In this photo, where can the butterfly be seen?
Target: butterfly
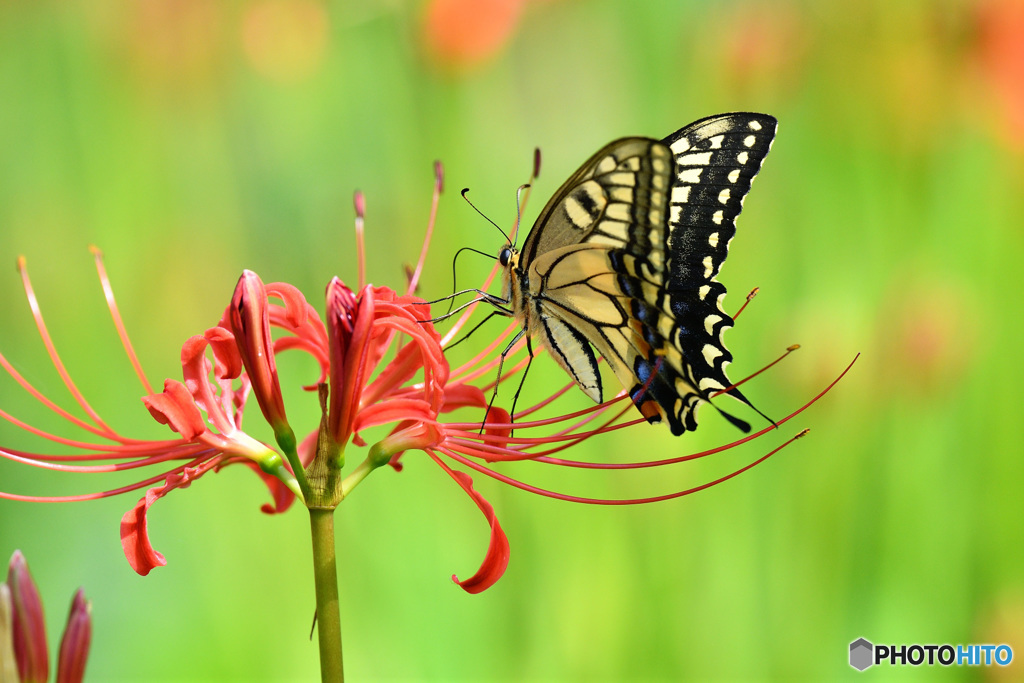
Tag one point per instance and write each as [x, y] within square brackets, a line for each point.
[623, 261]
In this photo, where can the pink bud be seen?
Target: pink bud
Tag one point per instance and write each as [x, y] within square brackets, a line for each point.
[74, 647]
[250, 322]
[29, 629]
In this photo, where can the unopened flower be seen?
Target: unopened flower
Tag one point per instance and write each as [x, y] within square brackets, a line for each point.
[74, 646]
[23, 652]
[28, 628]
[384, 383]
[249, 318]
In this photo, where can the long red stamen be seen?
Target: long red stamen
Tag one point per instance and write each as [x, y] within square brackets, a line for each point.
[55, 358]
[50, 462]
[486, 446]
[613, 501]
[360, 206]
[746, 379]
[112, 492]
[434, 201]
[750, 297]
[50, 405]
[486, 356]
[454, 330]
[108, 292]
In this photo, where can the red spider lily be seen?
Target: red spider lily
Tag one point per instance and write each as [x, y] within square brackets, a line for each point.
[384, 364]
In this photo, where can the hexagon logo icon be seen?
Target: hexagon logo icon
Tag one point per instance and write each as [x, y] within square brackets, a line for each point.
[861, 654]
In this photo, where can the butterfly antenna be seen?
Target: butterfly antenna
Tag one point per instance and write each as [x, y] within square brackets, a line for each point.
[455, 288]
[466, 191]
[523, 194]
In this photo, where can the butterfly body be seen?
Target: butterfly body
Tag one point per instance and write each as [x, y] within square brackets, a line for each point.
[624, 257]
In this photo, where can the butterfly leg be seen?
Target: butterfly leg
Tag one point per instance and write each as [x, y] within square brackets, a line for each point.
[522, 380]
[501, 364]
[475, 328]
[495, 301]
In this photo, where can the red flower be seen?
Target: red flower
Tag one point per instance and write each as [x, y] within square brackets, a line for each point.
[383, 363]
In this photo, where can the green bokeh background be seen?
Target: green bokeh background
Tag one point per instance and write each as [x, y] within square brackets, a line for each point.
[190, 140]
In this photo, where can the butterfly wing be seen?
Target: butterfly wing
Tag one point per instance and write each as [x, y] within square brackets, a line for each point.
[571, 298]
[625, 255]
[716, 160]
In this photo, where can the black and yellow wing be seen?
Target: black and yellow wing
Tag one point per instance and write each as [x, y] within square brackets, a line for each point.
[625, 256]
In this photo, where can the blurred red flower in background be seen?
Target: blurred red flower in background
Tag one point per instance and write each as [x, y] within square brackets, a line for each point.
[464, 33]
[1000, 54]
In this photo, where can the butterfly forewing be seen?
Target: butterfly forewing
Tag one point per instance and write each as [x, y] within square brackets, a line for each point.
[608, 194]
[624, 257]
[617, 198]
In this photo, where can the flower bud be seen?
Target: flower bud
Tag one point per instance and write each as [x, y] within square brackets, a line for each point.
[349, 323]
[8, 666]
[250, 323]
[28, 628]
[74, 646]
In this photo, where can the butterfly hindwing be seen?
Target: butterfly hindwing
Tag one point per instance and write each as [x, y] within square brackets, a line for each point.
[624, 256]
[716, 161]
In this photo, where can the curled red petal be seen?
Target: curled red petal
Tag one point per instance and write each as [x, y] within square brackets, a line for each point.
[462, 395]
[394, 410]
[498, 416]
[496, 560]
[195, 370]
[295, 305]
[227, 359]
[135, 538]
[176, 408]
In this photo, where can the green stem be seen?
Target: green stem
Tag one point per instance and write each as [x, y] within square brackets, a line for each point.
[361, 471]
[285, 438]
[325, 573]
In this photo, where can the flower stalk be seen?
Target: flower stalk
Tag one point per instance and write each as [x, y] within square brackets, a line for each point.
[325, 581]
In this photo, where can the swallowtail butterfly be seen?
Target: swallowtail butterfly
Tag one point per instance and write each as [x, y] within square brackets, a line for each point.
[624, 259]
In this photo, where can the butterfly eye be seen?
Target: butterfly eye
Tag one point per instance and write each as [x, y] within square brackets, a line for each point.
[504, 256]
